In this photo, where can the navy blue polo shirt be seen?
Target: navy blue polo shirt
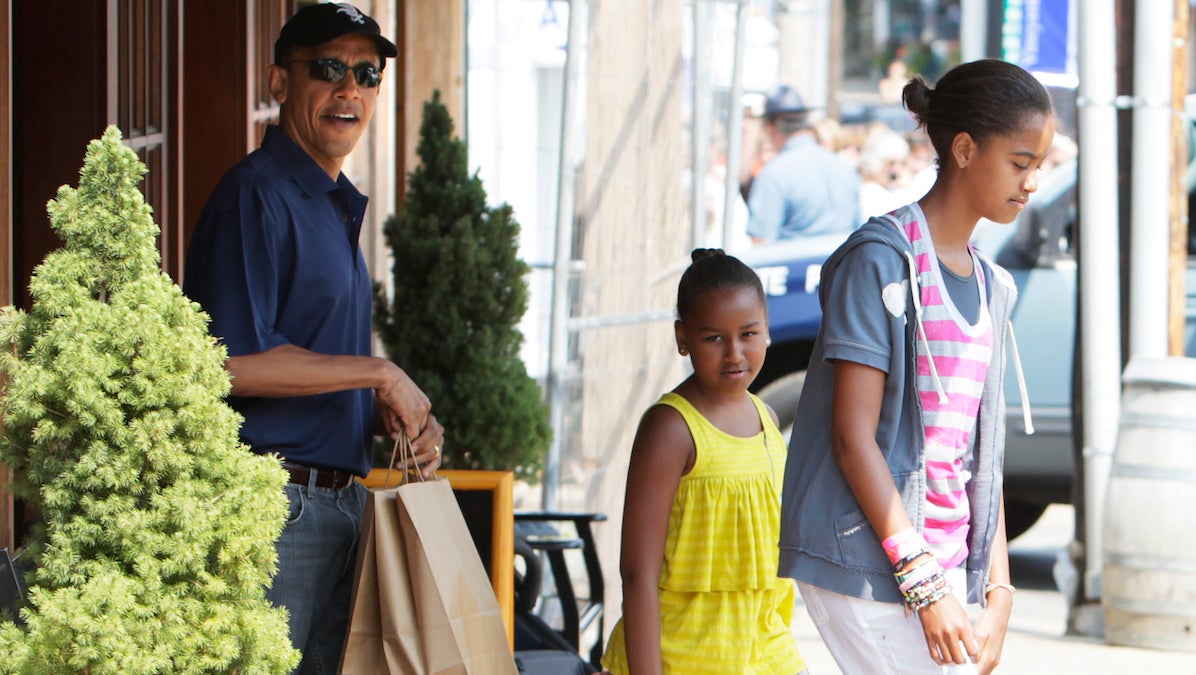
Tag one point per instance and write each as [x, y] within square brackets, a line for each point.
[275, 260]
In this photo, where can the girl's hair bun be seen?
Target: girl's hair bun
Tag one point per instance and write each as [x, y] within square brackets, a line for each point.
[703, 253]
[916, 96]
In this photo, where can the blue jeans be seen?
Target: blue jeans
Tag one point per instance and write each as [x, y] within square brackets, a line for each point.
[317, 553]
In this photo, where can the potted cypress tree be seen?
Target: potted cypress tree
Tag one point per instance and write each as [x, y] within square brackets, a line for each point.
[459, 293]
[158, 525]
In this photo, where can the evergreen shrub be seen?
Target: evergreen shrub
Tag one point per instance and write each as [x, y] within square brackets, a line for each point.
[459, 293]
[158, 526]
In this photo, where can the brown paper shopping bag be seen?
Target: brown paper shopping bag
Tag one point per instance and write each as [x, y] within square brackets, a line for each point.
[461, 628]
[381, 587]
[422, 602]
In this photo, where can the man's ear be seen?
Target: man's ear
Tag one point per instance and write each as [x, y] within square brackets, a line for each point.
[963, 149]
[278, 78]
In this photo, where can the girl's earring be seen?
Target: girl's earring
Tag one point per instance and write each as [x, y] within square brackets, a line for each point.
[683, 351]
[767, 342]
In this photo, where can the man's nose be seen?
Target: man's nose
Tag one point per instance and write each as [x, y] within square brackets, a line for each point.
[348, 87]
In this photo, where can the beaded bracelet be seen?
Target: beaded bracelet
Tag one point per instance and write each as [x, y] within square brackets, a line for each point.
[923, 584]
[914, 576]
[924, 590]
[930, 595]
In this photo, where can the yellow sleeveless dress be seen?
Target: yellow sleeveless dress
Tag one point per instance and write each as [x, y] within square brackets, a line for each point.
[723, 608]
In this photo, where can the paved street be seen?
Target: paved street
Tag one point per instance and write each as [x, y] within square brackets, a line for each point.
[1036, 643]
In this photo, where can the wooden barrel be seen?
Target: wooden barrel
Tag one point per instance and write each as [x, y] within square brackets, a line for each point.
[1149, 548]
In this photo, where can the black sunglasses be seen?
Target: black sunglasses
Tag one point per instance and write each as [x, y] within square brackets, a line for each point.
[333, 70]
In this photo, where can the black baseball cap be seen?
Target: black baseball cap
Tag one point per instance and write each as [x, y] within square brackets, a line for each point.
[314, 25]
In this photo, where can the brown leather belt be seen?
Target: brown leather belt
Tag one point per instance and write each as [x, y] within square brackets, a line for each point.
[325, 478]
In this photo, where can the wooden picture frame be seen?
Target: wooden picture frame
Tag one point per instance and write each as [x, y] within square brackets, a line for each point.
[487, 503]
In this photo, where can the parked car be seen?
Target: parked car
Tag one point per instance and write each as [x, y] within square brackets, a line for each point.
[1037, 250]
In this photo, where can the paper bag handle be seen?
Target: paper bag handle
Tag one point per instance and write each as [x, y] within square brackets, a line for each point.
[408, 458]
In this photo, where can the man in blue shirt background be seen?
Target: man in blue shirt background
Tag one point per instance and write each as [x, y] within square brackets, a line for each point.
[275, 262]
[804, 190]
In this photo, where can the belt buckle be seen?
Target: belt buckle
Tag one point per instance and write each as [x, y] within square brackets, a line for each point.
[329, 478]
[337, 479]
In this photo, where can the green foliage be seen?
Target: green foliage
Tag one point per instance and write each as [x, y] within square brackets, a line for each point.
[159, 526]
[459, 293]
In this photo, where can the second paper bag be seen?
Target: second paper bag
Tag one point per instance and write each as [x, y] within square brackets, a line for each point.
[458, 616]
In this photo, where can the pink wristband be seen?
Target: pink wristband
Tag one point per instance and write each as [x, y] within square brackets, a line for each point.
[903, 544]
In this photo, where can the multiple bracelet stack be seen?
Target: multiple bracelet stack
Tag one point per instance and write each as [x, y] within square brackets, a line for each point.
[923, 584]
[920, 577]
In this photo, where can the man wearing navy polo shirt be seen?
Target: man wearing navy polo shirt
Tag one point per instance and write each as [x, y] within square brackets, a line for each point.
[275, 262]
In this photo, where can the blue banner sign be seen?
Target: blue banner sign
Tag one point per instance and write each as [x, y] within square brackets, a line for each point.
[1036, 35]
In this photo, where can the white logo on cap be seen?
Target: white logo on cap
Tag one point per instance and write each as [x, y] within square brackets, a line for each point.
[352, 12]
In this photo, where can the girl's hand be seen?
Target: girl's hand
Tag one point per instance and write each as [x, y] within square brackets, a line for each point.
[946, 625]
[990, 630]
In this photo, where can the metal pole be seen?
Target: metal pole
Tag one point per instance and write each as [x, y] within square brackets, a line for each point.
[700, 133]
[973, 29]
[734, 122]
[572, 126]
[1150, 223]
[1100, 330]
[820, 55]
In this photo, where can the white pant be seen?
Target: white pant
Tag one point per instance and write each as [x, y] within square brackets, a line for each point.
[877, 638]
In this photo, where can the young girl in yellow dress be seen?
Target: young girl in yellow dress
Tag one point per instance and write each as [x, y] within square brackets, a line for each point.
[701, 518]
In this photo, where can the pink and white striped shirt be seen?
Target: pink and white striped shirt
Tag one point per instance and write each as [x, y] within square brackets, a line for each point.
[961, 352]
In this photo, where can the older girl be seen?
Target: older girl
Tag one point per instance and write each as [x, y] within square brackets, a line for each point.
[892, 515]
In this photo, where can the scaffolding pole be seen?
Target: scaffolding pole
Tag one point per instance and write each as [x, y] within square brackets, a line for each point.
[572, 126]
[734, 122]
[700, 114]
[1099, 272]
[1150, 220]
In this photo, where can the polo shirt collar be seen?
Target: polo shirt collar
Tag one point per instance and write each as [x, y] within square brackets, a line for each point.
[307, 174]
